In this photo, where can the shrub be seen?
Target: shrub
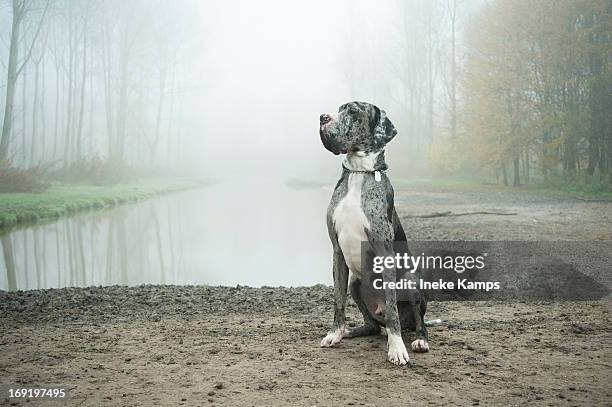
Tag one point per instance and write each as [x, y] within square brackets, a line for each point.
[21, 180]
[95, 170]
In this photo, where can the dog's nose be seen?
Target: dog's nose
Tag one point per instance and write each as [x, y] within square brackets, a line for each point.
[325, 118]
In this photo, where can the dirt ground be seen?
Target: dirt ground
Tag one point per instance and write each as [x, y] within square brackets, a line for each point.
[243, 346]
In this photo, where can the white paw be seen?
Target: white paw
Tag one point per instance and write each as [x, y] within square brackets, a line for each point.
[420, 346]
[398, 355]
[332, 338]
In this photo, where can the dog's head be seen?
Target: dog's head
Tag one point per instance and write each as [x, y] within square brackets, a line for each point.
[358, 127]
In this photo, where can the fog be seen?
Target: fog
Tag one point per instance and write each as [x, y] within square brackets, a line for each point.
[273, 71]
[273, 67]
[105, 92]
[223, 88]
[211, 89]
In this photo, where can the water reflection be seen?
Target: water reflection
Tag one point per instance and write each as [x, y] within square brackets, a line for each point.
[252, 232]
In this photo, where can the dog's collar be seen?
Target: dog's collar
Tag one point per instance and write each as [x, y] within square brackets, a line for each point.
[376, 172]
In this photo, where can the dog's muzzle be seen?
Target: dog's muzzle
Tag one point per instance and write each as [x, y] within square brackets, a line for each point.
[327, 141]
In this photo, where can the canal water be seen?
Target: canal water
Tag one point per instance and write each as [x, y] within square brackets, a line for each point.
[250, 231]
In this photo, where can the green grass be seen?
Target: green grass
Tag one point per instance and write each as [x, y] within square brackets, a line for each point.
[461, 184]
[65, 199]
[481, 184]
[435, 184]
[567, 192]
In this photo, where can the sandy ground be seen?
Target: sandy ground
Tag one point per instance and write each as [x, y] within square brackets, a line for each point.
[244, 346]
[537, 217]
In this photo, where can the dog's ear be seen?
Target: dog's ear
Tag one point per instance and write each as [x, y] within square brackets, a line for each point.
[384, 130]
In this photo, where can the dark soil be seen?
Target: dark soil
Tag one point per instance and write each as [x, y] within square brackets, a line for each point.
[173, 345]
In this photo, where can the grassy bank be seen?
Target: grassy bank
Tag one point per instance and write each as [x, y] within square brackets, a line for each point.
[469, 184]
[478, 185]
[65, 199]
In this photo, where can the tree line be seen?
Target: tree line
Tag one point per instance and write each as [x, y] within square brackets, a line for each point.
[537, 90]
[409, 62]
[93, 78]
[519, 89]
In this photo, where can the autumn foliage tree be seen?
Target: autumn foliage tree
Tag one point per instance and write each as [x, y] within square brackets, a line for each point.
[537, 87]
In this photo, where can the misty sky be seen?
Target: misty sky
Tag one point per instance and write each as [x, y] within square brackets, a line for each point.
[247, 80]
[272, 67]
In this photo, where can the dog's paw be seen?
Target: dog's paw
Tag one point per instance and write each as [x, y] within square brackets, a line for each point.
[397, 354]
[332, 338]
[420, 346]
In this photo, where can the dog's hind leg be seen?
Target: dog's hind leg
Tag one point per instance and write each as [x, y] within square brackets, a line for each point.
[371, 326]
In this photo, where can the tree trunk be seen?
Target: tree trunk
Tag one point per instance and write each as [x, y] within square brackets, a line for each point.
[24, 110]
[504, 173]
[453, 70]
[124, 51]
[170, 116]
[19, 7]
[79, 134]
[430, 74]
[69, 107]
[57, 115]
[527, 166]
[43, 121]
[120, 135]
[106, 71]
[34, 144]
[160, 107]
[517, 170]
[91, 109]
[11, 80]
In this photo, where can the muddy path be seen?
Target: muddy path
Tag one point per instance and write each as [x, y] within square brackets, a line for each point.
[537, 217]
[205, 346]
[222, 346]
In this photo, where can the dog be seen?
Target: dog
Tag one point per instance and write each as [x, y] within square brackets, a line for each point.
[361, 215]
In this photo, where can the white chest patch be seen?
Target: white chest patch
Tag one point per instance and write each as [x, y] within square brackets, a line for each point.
[351, 223]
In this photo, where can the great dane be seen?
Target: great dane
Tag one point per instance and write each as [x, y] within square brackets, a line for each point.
[361, 216]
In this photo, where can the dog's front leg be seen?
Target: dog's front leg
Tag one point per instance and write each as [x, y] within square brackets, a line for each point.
[397, 353]
[341, 272]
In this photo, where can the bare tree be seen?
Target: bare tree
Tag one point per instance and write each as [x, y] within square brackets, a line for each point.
[20, 8]
[452, 11]
[79, 133]
[36, 108]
